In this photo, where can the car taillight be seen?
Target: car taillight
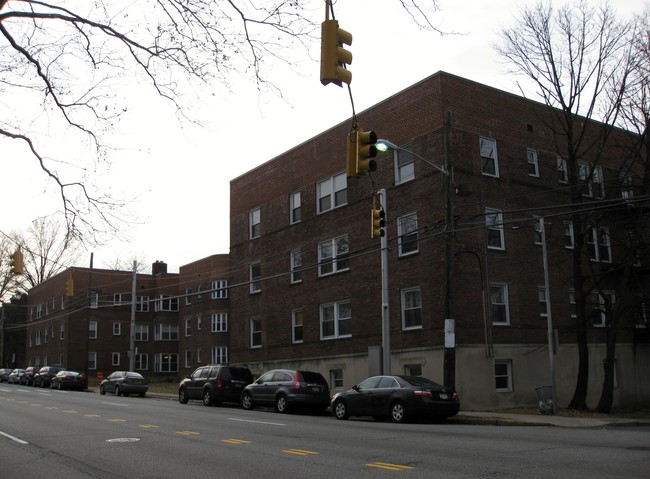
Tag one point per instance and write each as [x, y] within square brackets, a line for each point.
[426, 394]
[296, 383]
[219, 382]
[455, 396]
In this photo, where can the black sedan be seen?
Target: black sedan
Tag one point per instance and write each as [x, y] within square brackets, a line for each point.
[397, 397]
[124, 382]
[68, 380]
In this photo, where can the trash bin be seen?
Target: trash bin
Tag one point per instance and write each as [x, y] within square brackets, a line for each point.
[545, 399]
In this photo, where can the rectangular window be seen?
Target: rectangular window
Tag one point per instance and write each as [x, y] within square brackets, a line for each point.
[115, 359]
[407, 234]
[188, 358]
[92, 329]
[220, 355]
[489, 160]
[219, 322]
[333, 256]
[503, 375]
[296, 264]
[220, 289]
[627, 186]
[255, 278]
[165, 302]
[413, 369]
[336, 379]
[335, 320]
[188, 296]
[537, 231]
[591, 179]
[332, 193]
[404, 164]
[254, 223]
[296, 326]
[142, 304]
[141, 362]
[295, 215]
[602, 307]
[569, 241]
[499, 309]
[256, 332]
[166, 332]
[494, 225]
[543, 303]
[198, 322]
[39, 311]
[188, 327]
[117, 299]
[117, 328]
[533, 166]
[94, 300]
[411, 308]
[598, 245]
[92, 360]
[562, 170]
[142, 332]
[166, 362]
[62, 331]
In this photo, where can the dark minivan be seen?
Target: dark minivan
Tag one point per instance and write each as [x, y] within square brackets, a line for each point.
[287, 389]
[215, 384]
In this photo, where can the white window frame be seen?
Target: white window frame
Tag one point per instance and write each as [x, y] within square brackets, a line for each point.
[62, 331]
[508, 375]
[407, 234]
[115, 359]
[599, 307]
[407, 306]
[94, 300]
[404, 164]
[166, 302]
[142, 304]
[533, 163]
[592, 180]
[562, 168]
[219, 355]
[295, 260]
[219, 323]
[117, 299]
[188, 328]
[599, 244]
[117, 328]
[188, 296]
[254, 223]
[339, 316]
[569, 237]
[166, 362]
[255, 324]
[255, 277]
[166, 332]
[220, 289]
[543, 302]
[141, 361]
[494, 224]
[92, 360]
[333, 188]
[333, 256]
[297, 326]
[295, 208]
[92, 329]
[488, 153]
[503, 303]
[627, 186]
[188, 358]
[142, 332]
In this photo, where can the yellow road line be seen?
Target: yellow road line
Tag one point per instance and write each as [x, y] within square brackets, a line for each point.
[300, 452]
[235, 441]
[188, 433]
[92, 415]
[389, 466]
[117, 420]
[148, 426]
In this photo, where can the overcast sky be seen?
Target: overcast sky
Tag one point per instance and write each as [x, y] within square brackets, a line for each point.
[179, 174]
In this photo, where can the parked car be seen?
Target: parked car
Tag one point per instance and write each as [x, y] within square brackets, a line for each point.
[17, 376]
[28, 380]
[124, 382]
[4, 374]
[45, 375]
[69, 380]
[397, 397]
[215, 384]
[286, 389]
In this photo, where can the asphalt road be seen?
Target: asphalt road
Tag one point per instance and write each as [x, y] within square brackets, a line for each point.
[55, 434]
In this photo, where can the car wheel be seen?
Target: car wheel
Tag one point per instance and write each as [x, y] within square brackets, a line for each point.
[102, 391]
[207, 397]
[117, 391]
[247, 401]
[281, 404]
[182, 396]
[397, 412]
[341, 410]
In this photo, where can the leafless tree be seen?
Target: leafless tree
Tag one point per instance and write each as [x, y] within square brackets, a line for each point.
[60, 63]
[576, 57]
[121, 264]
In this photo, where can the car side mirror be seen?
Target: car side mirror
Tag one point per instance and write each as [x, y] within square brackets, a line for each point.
[356, 388]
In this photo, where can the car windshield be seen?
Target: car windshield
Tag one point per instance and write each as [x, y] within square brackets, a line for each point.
[420, 381]
[134, 375]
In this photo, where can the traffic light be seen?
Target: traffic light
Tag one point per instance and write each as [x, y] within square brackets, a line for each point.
[69, 286]
[333, 57]
[16, 265]
[378, 220]
[361, 150]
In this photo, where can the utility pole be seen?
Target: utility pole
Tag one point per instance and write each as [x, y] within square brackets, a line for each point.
[385, 310]
[449, 367]
[132, 330]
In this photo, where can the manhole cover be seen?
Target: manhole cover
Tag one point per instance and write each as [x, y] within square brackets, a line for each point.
[123, 439]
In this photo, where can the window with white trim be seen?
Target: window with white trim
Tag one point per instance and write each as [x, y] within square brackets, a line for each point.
[336, 320]
[188, 358]
[92, 329]
[411, 308]
[404, 164]
[295, 211]
[602, 307]
[188, 296]
[569, 239]
[533, 165]
[489, 159]
[142, 304]
[591, 179]
[188, 327]
[219, 322]
[117, 328]
[166, 362]
[62, 331]
[220, 289]
[407, 234]
[296, 326]
[141, 361]
[562, 170]
[333, 255]
[627, 186]
[503, 375]
[331, 193]
[543, 302]
[598, 244]
[117, 299]
[499, 309]
[296, 264]
[165, 302]
[92, 360]
[254, 218]
[142, 332]
[115, 359]
[256, 332]
[166, 332]
[494, 225]
[220, 355]
[255, 278]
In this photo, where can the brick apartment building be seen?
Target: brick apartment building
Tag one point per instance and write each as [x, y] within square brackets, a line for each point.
[302, 285]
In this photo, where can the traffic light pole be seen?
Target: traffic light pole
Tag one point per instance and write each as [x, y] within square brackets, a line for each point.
[385, 310]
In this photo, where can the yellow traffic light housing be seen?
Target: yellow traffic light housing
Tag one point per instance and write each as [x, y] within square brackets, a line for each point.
[361, 150]
[378, 220]
[16, 264]
[333, 57]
